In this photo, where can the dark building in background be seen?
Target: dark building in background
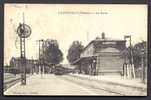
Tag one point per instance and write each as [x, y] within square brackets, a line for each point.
[31, 65]
[102, 56]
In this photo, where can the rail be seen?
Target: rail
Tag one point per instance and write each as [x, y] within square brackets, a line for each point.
[10, 83]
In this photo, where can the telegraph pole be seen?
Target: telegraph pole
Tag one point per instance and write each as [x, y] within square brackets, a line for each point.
[43, 51]
[131, 51]
[143, 54]
[142, 65]
[41, 59]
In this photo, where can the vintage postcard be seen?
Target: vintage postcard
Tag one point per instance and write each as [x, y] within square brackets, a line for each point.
[75, 49]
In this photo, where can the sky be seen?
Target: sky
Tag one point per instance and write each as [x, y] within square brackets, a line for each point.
[69, 22]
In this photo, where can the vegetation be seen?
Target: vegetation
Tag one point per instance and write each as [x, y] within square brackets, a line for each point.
[137, 50]
[52, 53]
[74, 51]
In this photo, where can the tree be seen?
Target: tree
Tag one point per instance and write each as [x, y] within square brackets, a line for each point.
[137, 53]
[74, 51]
[52, 54]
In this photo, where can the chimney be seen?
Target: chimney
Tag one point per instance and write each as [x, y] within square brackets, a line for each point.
[103, 35]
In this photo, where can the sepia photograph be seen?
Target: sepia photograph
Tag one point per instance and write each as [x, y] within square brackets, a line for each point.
[75, 49]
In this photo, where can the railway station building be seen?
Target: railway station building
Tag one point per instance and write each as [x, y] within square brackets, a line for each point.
[102, 56]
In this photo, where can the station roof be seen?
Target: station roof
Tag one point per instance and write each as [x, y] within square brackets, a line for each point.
[103, 40]
[84, 58]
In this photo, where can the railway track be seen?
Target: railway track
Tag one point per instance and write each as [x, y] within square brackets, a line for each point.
[95, 89]
[8, 84]
[116, 90]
